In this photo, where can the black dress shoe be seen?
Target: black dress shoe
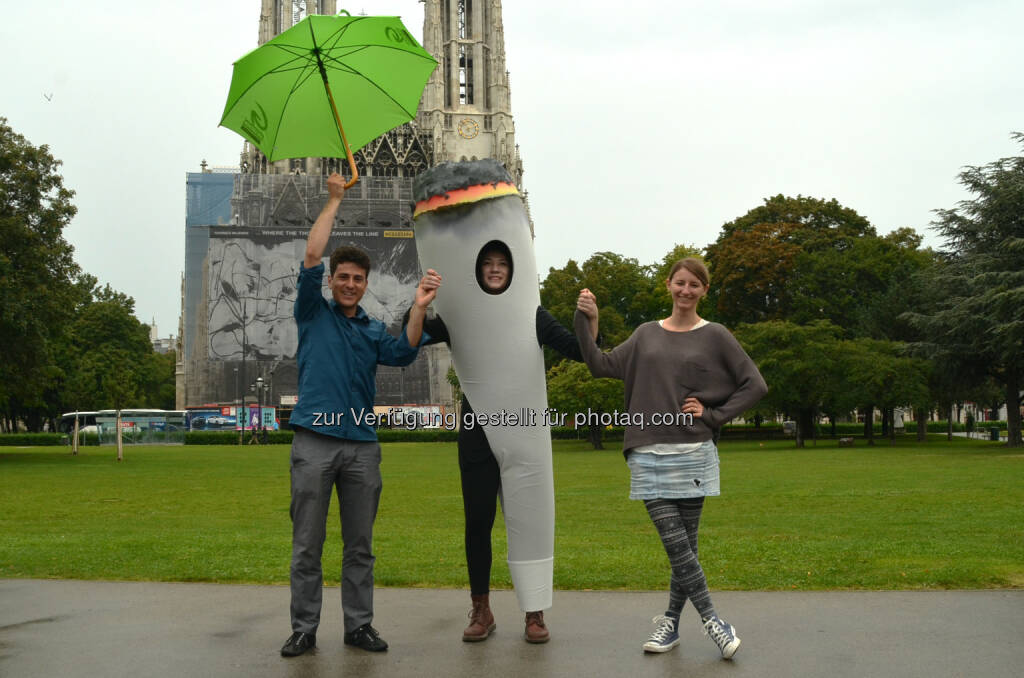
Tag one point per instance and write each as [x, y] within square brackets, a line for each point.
[298, 644]
[367, 638]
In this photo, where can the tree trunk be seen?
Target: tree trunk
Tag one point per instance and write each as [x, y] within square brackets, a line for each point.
[869, 423]
[1013, 438]
[804, 424]
[921, 415]
[595, 437]
[892, 425]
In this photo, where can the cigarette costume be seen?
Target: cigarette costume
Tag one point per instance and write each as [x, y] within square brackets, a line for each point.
[460, 208]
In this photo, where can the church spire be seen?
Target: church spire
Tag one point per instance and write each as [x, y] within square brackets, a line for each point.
[466, 104]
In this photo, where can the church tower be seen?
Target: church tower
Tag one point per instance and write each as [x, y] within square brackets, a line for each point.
[466, 106]
[402, 152]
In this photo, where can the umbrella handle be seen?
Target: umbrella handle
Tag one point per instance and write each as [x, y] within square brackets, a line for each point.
[341, 130]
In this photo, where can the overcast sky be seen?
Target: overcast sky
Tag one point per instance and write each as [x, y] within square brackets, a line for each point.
[639, 129]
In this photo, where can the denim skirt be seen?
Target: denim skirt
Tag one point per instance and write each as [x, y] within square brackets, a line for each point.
[674, 476]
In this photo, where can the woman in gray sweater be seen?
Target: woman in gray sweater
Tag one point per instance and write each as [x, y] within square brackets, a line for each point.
[684, 378]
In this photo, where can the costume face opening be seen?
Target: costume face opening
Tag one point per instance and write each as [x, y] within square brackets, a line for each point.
[494, 267]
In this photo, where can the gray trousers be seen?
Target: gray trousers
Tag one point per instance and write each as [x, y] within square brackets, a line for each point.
[320, 463]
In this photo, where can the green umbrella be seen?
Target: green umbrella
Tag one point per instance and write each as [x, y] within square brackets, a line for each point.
[280, 97]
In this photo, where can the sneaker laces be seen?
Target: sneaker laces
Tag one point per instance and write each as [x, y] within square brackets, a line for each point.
[666, 626]
[715, 629]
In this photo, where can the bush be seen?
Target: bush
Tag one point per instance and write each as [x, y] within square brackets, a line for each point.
[423, 435]
[25, 439]
[384, 435]
[211, 438]
[570, 433]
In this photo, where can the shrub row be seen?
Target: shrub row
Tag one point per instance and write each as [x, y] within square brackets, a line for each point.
[765, 431]
[23, 439]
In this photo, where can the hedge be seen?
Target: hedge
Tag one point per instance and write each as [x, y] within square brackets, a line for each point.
[766, 431]
[25, 439]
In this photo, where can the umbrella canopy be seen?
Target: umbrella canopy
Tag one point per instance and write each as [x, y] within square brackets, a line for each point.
[281, 93]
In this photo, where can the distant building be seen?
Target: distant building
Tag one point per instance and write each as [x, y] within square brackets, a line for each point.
[161, 345]
[246, 227]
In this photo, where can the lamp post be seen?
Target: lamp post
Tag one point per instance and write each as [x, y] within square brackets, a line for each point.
[238, 408]
[241, 396]
[259, 403]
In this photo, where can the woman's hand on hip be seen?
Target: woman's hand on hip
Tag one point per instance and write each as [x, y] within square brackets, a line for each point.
[692, 406]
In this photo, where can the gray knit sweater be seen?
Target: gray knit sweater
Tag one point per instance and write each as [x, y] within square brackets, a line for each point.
[662, 368]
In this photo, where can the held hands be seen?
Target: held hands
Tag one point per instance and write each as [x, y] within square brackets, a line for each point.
[427, 289]
[335, 186]
[587, 304]
[693, 406]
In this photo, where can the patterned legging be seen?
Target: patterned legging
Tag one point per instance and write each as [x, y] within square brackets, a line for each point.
[677, 521]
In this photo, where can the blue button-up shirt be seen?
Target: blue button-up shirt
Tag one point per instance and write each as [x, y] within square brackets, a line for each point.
[338, 359]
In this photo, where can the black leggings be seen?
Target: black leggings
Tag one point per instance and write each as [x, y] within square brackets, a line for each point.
[677, 521]
[481, 481]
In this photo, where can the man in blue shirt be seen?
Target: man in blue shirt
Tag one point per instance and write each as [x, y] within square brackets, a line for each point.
[335, 445]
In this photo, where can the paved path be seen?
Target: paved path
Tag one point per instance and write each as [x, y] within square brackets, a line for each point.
[70, 629]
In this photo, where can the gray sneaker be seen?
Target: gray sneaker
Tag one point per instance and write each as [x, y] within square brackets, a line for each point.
[724, 635]
[665, 636]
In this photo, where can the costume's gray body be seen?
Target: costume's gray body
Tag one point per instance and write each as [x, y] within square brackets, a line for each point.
[498, 360]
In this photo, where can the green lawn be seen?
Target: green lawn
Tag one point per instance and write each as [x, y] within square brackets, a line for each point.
[940, 515]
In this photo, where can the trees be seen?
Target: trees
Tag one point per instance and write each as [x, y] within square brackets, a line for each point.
[800, 365]
[979, 301]
[110, 362]
[811, 370]
[755, 260]
[67, 343]
[803, 259]
[572, 390]
[36, 268]
[628, 294]
[878, 374]
[623, 288]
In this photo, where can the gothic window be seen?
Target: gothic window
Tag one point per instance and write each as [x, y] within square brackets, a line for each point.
[447, 89]
[329, 166]
[465, 76]
[414, 164]
[487, 79]
[463, 10]
[385, 164]
[487, 122]
[447, 120]
[445, 14]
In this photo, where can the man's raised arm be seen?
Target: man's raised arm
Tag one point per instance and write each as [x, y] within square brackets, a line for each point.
[321, 231]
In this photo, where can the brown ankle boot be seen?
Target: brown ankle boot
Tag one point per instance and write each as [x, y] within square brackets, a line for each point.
[536, 631]
[481, 621]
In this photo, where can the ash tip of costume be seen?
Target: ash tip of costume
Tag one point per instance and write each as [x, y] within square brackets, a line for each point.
[450, 176]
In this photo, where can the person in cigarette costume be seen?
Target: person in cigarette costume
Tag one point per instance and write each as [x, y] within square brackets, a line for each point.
[471, 225]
